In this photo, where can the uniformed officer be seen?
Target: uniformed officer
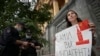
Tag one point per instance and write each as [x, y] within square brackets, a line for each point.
[33, 45]
[11, 40]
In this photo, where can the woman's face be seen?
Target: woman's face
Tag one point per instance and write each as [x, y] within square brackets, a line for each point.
[71, 15]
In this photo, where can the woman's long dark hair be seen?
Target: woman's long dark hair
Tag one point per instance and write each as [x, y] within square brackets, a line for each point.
[68, 22]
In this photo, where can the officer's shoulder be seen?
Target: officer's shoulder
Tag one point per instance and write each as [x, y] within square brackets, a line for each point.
[8, 29]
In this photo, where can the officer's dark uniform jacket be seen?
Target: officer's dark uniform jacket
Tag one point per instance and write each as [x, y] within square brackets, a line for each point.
[7, 39]
[30, 51]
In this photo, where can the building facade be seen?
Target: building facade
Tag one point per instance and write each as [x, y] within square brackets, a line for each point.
[55, 4]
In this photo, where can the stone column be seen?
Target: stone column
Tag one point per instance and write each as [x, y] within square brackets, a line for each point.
[55, 7]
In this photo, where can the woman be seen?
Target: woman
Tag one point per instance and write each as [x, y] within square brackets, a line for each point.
[72, 19]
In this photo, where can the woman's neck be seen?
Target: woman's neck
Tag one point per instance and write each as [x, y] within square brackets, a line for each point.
[74, 22]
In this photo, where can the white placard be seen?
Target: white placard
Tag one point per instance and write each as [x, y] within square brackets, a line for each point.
[73, 42]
